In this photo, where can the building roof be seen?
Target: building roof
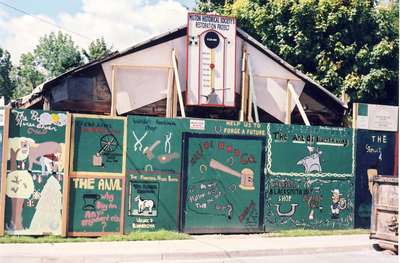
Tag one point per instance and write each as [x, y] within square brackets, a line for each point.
[173, 34]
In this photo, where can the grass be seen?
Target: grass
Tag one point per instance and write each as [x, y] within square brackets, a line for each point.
[311, 232]
[135, 236]
[169, 235]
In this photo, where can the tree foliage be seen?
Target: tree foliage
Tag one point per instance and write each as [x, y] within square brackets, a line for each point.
[7, 85]
[346, 45]
[57, 53]
[97, 49]
[27, 75]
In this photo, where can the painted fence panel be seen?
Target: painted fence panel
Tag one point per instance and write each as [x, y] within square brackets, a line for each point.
[375, 155]
[310, 177]
[97, 178]
[95, 206]
[222, 183]
[97, 144]
[35, 172]
[152, 173]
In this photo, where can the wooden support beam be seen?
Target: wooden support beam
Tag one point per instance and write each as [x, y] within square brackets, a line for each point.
[5, 153]
[174, 98]
[113, 92]
[170, 95]
[142, 66]
[252, 97]
[178, 85]
[66, 187]
[46, 103]
[244, 88]
[288, 118]
[355, 115]
[273, 77]
[298, 104]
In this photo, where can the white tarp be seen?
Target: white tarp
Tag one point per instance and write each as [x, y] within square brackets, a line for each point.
[270, 82]
[139, 87]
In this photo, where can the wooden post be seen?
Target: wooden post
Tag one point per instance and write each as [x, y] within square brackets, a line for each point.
[125, 145]
[355, 115]
[174, 98]
[298, 104]
[46, 103]
[113, 92]
[178, 85]
[65, 211]
[244, 90]
[5, 150]
[288, 119]
[253, 98]
[170, 89]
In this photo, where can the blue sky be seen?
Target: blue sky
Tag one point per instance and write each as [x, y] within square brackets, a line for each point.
[121, 22]
[54, 7]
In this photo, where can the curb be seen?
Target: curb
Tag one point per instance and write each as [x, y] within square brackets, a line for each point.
[186, 256]
[262, 252]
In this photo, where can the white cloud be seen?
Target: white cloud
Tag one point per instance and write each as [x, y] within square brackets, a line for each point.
[122, 23]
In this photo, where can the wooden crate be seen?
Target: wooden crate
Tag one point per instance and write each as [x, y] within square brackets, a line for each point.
[384, 217]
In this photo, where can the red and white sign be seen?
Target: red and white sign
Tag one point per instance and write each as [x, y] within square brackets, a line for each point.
[211, 45]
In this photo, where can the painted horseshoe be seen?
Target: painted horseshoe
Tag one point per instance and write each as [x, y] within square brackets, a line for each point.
[288, 213]
[230, 161]
[232, 187]
[148, 168]
[203, 168]
[218, 129]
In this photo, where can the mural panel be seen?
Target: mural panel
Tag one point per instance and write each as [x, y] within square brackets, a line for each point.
[152, 173]
[97, 144]
[35, 172]
[222, 183]
[375, 156]
[95, 206]
[310, 177]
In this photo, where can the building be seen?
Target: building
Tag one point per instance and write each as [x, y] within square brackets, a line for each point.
[143, 76]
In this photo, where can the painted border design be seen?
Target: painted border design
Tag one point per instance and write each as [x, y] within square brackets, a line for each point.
[273, 173]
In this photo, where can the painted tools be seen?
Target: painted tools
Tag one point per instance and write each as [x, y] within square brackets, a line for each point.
[246, 175]
[148, 151]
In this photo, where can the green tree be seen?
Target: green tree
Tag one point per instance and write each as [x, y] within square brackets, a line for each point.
[7, 85]
[27, 75]
[97, 49]
[57, 53]
[346, 45]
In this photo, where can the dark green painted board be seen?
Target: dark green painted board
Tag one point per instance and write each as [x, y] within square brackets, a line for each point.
[289, 154]
[222, 183]
[95, 205]
[308, 167]
[307, 202]
[98, 145]
[313, 150]
[35, 172]
[155, 170]
[152, 173]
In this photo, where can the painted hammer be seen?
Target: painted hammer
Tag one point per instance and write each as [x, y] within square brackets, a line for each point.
[148, 151]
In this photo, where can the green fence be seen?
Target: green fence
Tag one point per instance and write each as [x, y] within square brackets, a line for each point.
[191, 175]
